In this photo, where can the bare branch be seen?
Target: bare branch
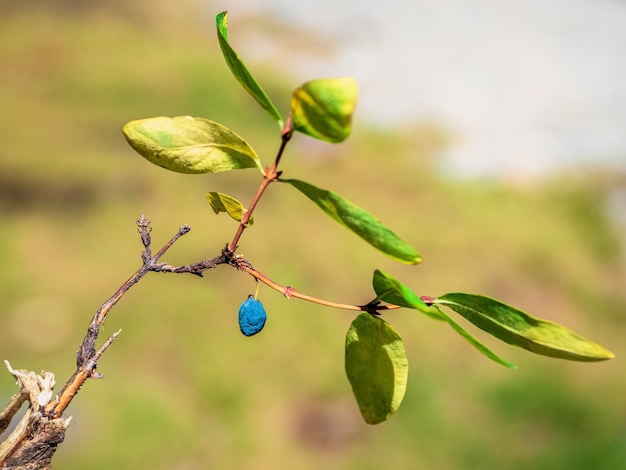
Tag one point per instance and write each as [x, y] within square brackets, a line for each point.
[87, 355]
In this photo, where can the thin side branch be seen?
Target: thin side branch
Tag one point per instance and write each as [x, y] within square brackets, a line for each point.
[291, 292]
[73, 385]
[12, 408]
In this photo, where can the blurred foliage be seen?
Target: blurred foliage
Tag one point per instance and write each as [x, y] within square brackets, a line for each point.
[183, 388]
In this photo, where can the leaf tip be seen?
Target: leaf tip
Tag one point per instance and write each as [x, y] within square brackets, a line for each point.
[606, 355]
[222, 18]
[417, 259]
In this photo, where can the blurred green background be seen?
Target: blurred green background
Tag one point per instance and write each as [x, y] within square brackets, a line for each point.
[183, 388]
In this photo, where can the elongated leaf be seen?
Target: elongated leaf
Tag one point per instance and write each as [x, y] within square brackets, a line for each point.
[240, 71]
[224, 203]
[190, 145]
[521, 329]
[376, 366]
[394, 292]
[359, 221]
[478, 344]
[323, 108]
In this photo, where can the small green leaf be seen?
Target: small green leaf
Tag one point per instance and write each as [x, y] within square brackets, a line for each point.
[376, 366]
[240, 71]
[520, 329]
[323, 108]
[190, 145]
[224, 203]
[394, 292]
[359, 221]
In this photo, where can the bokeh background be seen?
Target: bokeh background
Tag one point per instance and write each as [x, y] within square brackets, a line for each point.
[183, 389]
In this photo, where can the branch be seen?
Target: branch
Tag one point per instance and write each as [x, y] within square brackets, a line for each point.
[271, 174]
[291, 292]
[87, 356]
[35, 438]
[73, 385]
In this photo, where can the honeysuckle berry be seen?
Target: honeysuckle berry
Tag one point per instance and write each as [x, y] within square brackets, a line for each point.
[252, 316]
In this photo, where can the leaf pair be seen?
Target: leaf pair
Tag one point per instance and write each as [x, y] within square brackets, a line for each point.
[376, 362]
[394, 292]
[320, 108]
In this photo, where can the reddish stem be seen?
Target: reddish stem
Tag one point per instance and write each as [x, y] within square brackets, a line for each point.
[271, 175]
[291, 292]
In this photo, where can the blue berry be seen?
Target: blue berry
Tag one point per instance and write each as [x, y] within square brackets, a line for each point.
[251, 316]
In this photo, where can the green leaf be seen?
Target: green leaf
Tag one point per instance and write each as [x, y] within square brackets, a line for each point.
[376, 366]
[359, 221]
[190, 145]
[394, 292]
[521, 329]
[477, 344]
[240, 71]
[323, 108]
[224, 203]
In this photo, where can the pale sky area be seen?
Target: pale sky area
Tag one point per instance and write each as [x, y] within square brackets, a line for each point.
[523, 87]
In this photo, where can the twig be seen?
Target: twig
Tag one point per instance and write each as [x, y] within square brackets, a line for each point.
[290, 292]
[12, 408]
[71, 388]
[87, 356]
[195, 268]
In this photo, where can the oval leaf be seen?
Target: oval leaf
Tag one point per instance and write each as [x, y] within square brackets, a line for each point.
[240, 71]
[323, 108]
[394, 292]
[224, 203]
[190, 145]
[359, 221]
[521, 329]
[376, 366]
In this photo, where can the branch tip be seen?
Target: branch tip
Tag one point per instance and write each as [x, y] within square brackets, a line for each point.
[143, 222]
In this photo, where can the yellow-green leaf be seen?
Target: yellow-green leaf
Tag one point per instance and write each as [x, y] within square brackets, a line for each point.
[190, 145]
[376, 366]
[224, 203]
[359, 221]
[521, 329]
[240, 71]
[323, 108]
